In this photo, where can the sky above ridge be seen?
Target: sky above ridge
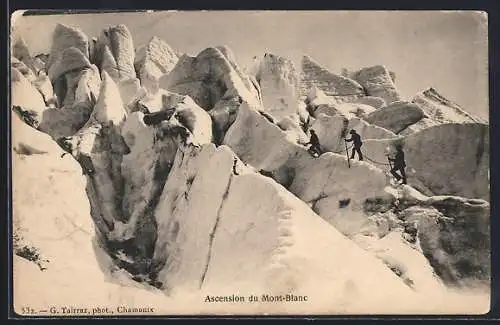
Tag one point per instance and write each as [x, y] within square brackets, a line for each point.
[444, 50]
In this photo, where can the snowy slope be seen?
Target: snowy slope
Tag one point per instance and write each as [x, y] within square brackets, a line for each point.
[441, 109]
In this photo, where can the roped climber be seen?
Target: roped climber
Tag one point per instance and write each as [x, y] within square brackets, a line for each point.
[314, 142]
[399, 164]
[356, 140]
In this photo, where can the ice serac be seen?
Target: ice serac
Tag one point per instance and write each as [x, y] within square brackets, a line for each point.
[441, 153]
[438, 110]
[248, 81]
[153, 60]
[38, 64]
[375, 102]
[89, 85]
[144, 171]
[21, 52]
[315, 100]
[129, 157]
[424, 123]
[208, 78]
[447, 159]
[155, 102]
[284, 223]
[109, 108]
[339, 88]
[32, 69]
[180, 258]
[265, 232]
[334, 196]
[396, 116]
[44, 86]
[293, 128]
[377, 82]
[318, 102]
[332, 130]
[45, 250]
[99, 147]
[279, 84]
[82, 86]
[329, 187]
[70, 59]
[64, 37]
[321, 182]
[214, 81]
[454, 234]
[247, 138]
[353, 109]
[405, 259]
[26, 140]
[443, 110]
[196, 120]
[23, 68]
[223, 116]
[26, 98]
[406, 238]
[130, 90]
[78, 91]
[174, 110]
[114, 53]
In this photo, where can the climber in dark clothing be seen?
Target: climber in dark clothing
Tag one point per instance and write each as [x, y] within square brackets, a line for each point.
[356, 140]
[399, 164]
[314, 142]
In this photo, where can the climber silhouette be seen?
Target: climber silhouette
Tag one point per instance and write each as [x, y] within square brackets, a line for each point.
[314, 142]
[356, 139]
[399, 164]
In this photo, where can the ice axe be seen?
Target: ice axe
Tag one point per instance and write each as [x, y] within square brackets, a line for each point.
[387, 154]
[389, 160]
[347, 154]
[390, 164]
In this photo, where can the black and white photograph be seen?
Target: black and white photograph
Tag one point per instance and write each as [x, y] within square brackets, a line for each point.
[250, 163]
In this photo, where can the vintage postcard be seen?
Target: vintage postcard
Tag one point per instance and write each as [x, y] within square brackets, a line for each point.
[250, 163]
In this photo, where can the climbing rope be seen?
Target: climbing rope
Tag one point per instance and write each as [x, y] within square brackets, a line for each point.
[374, 161]
[342, 150]
[364, 156]
[337, 152]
